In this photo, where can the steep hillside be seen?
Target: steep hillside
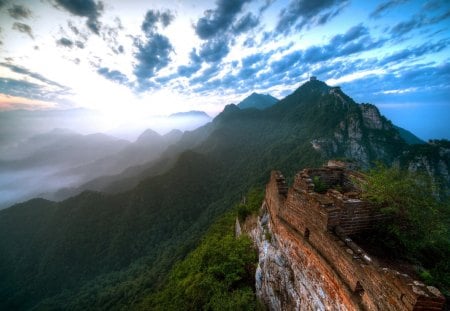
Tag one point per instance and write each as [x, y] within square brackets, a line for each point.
[409, 137]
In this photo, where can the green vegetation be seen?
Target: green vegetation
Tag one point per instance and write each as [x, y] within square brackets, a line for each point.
[218, 275]
[319, 185]
[417, 228]
[250, 204]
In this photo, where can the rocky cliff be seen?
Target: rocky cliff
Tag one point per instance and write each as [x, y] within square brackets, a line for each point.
[307, 260]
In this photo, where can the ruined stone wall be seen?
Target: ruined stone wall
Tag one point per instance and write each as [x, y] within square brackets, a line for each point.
[306, 266]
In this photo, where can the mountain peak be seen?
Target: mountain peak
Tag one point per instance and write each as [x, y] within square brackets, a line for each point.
[258, 101]
[148, 135]
[191, 113]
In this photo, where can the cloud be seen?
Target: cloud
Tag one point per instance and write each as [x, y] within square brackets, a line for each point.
[84, 8]
[303, 13]
[416, 22]
[218, 27]
[385, 6]
[422, 81]
[152, 17]
[24, 71]
[214, 50]
[206, 75]
[194, 65]
[65, 42]
[414, 52]
[19, 12]
[245, 23]
[220, 19]
[356, 39]
[110, 35]
[24, 28]
[113, 75]
[152, 54]
[20, 88]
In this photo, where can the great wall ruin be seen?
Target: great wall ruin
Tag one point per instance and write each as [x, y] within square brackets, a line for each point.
[307, 261]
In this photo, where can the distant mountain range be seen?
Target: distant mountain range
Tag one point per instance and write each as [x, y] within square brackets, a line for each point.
[258, 101]
[192, 113]
[111, 250]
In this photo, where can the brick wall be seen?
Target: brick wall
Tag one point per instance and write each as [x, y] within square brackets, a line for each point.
[312, 229]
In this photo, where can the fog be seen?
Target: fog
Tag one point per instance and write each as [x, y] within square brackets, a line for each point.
[42, 152]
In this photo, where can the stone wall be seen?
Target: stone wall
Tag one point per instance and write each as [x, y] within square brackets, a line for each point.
[308, 262]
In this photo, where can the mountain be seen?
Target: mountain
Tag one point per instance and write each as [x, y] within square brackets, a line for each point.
[191, 114]
[122, 170]
[29, 168]
[409, 137]
[110, 251]
[16, 125]
[258, 101]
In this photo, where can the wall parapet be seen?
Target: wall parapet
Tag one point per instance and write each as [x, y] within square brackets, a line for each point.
[319, 225]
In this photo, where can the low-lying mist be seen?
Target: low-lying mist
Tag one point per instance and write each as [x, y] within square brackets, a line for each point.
[42, 152]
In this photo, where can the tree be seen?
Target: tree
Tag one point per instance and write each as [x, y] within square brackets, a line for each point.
[418, 224]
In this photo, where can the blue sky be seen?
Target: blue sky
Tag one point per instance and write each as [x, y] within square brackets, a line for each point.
[136, 58]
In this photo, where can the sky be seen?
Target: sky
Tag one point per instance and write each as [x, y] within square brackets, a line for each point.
[130, 59]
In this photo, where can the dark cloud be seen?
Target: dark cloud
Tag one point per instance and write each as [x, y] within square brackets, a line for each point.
[422, 80]
[19, 12]
[153, 17]
[166, 18]
[253, 64]
[113, 75]
[288, 61]
[220, 19]
[245, 23]
[206, 75]
[218, 27]
[214, 50]
[69, 43]
[47, 90]
[266, 5]
[74, 29]
[65, 42]
[24, 71]
[416, 22]
[249, 42]
[152, 55]
[414, 52]
[24, 28]
[355, 40]
[193, 67]
[304, 13]
[84, 8]
[385, 6]
[30, 90]
[110, 35]
[79, 44]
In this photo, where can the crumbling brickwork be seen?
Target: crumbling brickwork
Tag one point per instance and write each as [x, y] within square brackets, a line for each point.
[309, 233]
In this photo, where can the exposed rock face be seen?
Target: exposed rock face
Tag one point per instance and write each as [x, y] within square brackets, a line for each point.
[371, 117]
[432, 158]
[307, 261]
[362, 134]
